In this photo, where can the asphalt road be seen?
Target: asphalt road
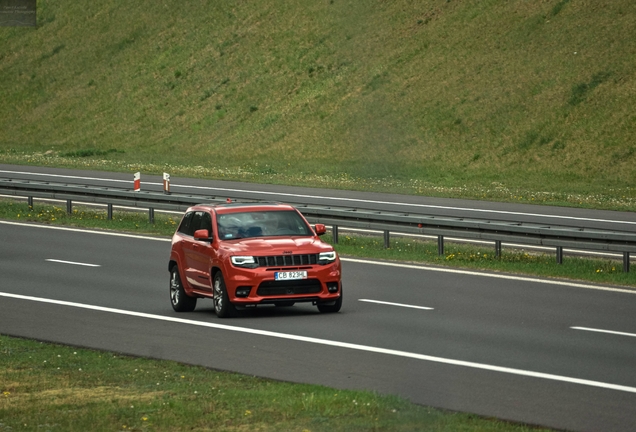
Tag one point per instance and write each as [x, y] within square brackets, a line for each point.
[466, 341]
[573, 217]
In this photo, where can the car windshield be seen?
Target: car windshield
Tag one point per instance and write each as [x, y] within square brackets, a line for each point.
[261, 223]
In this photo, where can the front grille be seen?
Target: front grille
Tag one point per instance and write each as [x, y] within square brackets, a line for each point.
[279, 288]
[287, 260]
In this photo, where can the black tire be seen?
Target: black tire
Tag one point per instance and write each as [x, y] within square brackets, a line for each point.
[181, 302]
[332, 308]
[222, 305]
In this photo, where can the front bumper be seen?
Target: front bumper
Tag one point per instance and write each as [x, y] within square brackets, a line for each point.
[258, 286]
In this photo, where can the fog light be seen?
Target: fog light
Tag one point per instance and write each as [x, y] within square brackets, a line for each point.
[243, 291]
[332, 287]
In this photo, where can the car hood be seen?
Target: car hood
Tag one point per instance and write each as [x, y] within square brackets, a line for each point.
[275, 246]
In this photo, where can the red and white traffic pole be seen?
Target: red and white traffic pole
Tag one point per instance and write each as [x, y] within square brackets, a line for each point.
[166, 183]
[137, 182]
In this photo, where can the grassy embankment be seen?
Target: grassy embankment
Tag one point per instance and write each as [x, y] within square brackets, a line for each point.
[518, 101]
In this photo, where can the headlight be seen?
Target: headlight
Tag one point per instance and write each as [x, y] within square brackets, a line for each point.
[244, 261]
[326, 257]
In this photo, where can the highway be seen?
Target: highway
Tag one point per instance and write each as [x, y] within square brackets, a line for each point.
[541, 352]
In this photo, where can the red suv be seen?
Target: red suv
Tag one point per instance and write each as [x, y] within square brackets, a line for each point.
[243, 255]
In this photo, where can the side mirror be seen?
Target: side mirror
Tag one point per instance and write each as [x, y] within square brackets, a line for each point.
[320, 229]
[202, 235]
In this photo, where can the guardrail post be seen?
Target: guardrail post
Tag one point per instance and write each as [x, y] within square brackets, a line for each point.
[626, 262]
[559, 254]
[30, 202]
[109, 212]
[497, 248]
[440, 245]
[334, 233]
[151, 215]
[69, 206]
[387, 240]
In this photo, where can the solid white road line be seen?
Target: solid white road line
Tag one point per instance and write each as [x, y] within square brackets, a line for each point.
[388, 264]
[66, 176]
[74, 263]
[490, 275]
[336, 198]
[395, 304]
[326, 342]
[81, 230]
[604, 331]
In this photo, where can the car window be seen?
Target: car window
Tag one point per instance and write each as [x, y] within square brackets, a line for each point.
[206, 222]
[186, 222]
[196, 222]
[193, 221]
[264, 223]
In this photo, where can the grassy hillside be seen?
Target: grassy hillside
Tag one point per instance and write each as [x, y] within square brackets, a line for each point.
[486, 99]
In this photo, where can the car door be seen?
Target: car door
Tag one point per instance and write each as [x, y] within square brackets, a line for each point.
[197, 254]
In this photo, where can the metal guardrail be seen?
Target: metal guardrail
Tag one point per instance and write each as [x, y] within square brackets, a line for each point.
[556, 236]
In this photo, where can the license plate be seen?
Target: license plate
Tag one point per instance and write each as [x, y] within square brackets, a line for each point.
[290, 275]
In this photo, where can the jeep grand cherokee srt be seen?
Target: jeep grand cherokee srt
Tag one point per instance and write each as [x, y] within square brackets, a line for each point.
[243, 255]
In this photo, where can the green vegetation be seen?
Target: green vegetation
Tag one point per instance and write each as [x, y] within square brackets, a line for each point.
[404, 249]
[518, 101]
[89, 153]
[52, 387]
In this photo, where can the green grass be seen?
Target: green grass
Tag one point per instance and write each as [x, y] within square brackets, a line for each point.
[57, 388]
[515, 101]
[404, 249]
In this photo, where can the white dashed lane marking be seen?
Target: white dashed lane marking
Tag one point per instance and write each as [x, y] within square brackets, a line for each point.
[395, 304]
[612, 332]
